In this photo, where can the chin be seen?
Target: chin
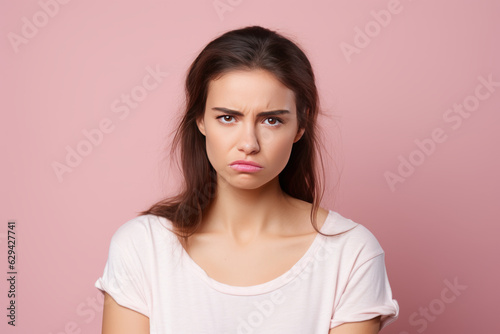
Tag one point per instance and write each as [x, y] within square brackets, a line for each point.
[249, 184]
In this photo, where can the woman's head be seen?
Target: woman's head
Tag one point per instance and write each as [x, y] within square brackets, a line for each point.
[253, 48]
[252, 51]
[251, 116]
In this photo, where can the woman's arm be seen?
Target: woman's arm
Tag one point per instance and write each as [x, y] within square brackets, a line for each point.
[371, 326]
[117, 319]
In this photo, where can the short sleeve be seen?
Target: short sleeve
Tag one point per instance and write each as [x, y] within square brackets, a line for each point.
[367, 295]
[123, 278]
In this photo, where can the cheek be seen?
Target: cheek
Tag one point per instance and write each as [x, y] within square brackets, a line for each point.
[215, 146]
[281, 149]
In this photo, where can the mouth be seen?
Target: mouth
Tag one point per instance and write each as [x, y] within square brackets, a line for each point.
[245, 166]
[245, 162]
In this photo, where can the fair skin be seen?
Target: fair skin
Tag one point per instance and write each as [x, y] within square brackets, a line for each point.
[251, 223]
[117, 319]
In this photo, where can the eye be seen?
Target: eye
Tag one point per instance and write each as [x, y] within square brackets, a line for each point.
[224, 118]
[276, 121]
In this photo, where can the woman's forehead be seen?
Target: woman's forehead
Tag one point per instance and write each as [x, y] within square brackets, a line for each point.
[250, 89]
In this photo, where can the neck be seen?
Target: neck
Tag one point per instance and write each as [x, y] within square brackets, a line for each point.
[246, 214]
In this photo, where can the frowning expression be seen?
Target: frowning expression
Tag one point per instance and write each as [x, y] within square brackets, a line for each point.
[250, 116]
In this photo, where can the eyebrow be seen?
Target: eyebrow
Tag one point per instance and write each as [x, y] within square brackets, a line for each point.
[263, 113]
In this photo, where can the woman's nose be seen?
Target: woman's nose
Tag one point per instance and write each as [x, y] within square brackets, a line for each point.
[248, 141]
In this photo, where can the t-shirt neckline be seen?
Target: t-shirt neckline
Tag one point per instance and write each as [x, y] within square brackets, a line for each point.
[265, 287]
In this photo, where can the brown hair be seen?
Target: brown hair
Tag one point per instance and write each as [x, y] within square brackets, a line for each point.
[247, 48]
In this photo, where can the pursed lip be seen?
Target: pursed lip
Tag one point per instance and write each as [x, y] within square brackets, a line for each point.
[245, 162]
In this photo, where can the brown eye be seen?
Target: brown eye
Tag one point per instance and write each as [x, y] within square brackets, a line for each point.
[225, 119]
[275, 121]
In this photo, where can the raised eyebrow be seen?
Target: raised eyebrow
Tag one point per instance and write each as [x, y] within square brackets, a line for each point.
[263, 113]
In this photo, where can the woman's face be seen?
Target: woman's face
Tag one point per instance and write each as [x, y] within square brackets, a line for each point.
[249, 115]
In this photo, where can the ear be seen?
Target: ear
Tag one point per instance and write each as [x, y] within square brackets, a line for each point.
[201, 125]
[299, 134]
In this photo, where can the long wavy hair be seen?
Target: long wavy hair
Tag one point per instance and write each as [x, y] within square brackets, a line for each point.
[248, 48]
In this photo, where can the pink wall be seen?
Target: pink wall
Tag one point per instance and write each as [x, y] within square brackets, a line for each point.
[431, 205]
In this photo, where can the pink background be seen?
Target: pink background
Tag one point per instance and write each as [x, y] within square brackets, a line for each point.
[438, 226]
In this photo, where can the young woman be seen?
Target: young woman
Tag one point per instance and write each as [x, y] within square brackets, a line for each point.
[245, 246]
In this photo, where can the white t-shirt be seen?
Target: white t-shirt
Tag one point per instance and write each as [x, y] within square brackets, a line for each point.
[339, 279]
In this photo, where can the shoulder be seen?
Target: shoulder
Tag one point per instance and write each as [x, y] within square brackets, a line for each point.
[138, 230]
[301, 212]
[354, 239]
